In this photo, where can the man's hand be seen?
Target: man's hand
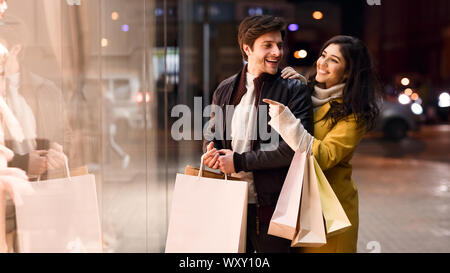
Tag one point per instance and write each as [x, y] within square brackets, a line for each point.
[211, 156]
[37, 162]
[226, 163]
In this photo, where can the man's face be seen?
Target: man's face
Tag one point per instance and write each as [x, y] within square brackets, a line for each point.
[266, 54]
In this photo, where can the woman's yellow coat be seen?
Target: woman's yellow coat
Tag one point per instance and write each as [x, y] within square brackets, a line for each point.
[333, 149]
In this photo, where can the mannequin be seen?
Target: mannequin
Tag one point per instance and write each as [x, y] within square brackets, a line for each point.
[12, 180]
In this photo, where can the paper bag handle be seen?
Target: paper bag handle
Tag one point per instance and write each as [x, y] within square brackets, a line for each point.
[202, 168]
[309, 148]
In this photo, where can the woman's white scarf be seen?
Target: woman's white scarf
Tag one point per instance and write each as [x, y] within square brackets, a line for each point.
[321, 96]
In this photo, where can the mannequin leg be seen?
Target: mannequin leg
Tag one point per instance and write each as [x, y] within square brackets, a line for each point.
[3, 245]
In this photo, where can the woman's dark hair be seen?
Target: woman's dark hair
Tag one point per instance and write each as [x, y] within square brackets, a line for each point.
[254, 26]
[361, 93]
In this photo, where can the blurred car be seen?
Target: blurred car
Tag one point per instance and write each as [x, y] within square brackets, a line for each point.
[127, 101]
[396, 120]
[125, 98]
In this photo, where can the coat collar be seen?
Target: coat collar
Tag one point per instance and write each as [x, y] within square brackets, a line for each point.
[323, 110]
[240, 78]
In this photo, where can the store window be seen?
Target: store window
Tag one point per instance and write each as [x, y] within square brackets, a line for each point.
[88, 87]
[98, 80]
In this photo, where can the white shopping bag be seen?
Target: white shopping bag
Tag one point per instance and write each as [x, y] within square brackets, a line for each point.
[285, 217]
[60, 216]
[208, 215]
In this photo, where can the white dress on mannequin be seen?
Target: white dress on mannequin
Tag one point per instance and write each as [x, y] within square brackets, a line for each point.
[12, 180]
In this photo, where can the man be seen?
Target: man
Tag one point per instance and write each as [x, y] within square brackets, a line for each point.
[261, 40]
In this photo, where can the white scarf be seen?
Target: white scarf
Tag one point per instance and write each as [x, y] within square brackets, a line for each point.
[321, 96]
[243, 131]
[24, 115]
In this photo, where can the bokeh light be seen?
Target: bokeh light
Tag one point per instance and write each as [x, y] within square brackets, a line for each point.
[293, 27]
[444, 99]
[115, 15]
[416, 108]
[404, 99]
[125, 28]
[104, 42]
[318, 15]
[405, 81]
[414, 96]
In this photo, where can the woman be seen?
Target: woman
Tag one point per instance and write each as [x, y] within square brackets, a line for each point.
[345, 95]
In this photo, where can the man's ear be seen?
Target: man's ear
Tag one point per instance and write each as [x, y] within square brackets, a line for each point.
[247, 49]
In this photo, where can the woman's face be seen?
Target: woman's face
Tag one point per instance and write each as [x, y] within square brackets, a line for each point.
[331, 66]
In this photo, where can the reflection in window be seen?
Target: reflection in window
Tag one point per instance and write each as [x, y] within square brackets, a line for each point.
[122, 90]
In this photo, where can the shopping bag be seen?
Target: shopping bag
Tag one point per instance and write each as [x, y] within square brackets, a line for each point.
[207, 215]
[311, 228]
[336, 220]
[285, 217]
[60, 216]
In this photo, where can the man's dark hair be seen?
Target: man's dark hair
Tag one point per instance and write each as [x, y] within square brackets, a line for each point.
[254, 26]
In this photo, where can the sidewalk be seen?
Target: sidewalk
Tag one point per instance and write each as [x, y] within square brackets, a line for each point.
[404, 204]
